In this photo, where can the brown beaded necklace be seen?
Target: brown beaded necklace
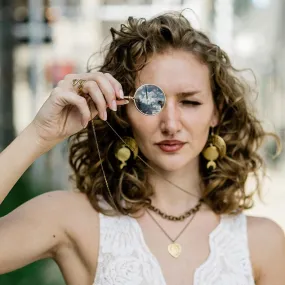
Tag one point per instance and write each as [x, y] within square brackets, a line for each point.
[175, 218]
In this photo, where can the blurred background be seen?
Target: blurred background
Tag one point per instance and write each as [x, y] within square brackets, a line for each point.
[41, 41]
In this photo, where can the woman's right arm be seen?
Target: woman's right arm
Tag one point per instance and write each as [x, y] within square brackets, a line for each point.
[33, 231]
[62, 115]
[36, 229]
[17, 157]
[29, 232]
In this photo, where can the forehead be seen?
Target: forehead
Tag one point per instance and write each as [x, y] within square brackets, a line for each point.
[175, 70]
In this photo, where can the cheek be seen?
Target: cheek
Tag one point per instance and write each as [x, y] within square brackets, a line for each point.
[143, 128]
[199, 117]
[197, 122]
[142, 125]
[143, 134]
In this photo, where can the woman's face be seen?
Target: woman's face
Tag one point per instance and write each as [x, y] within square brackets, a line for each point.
[175, 137]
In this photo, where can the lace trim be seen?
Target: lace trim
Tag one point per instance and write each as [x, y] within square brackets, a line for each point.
[122, 258]
[229, 259]
[125, 259]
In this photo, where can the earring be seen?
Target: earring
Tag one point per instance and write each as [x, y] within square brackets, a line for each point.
[216, 147]
[125, 150]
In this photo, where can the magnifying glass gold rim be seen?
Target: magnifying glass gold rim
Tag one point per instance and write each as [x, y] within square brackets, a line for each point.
[133, 98]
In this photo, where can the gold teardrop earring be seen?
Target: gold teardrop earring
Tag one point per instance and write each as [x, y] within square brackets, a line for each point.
[216, 148]
[126, 149]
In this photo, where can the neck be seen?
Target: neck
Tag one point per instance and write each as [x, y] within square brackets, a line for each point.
[168, 197]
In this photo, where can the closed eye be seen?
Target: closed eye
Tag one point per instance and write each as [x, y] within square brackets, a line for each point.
[188, 102]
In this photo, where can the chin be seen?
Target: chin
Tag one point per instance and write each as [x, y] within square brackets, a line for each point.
[171, 163]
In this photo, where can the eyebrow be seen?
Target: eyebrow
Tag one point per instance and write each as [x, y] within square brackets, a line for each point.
[188, 93]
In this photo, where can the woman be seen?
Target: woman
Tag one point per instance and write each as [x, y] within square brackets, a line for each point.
[160, 179]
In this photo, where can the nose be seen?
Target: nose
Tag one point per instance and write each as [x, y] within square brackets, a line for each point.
[170, 118]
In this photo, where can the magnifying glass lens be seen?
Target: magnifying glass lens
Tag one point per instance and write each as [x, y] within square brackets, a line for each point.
[149, 99]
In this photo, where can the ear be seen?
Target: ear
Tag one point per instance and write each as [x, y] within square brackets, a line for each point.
[215, 118]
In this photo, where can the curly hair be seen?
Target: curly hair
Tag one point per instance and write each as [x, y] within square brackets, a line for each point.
[131, 47]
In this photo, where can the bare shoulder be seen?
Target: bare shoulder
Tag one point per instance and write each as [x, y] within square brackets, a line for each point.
[49, 205]
[43, 227]
[267, 247]
[261, 229]
[67, 198]
[75, 216]
[81, 224]
[67, 210]
[72, 206]
[258, 224]
[59, 201]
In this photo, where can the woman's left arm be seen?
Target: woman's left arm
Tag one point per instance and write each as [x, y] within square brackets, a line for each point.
[267, 248]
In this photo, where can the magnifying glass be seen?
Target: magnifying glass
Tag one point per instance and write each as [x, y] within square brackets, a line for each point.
[149, 99]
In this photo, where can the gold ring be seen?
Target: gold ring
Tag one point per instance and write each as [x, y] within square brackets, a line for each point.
[80, 84]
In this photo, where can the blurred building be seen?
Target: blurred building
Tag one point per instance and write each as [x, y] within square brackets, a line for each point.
[6, 74]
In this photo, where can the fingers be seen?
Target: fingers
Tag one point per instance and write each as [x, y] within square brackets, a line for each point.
[103, 88]
[118, 89]
[116, 85]
[70, 98]
[92, 88]
[106, 79]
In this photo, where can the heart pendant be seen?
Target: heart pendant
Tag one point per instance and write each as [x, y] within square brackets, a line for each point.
[175, 249]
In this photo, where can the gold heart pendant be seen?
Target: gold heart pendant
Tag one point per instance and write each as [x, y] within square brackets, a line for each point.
[175, 249]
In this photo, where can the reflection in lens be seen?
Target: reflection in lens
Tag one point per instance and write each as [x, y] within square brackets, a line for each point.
[149, 99]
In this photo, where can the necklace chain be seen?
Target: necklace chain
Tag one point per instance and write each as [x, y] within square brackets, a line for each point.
[181, 232]
[104, 175]
[175, 218]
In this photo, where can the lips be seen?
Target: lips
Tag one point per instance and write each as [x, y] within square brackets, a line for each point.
[170, 142]
[170, 145]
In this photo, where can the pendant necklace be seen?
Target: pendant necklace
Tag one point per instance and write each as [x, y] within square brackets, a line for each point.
[175, 248]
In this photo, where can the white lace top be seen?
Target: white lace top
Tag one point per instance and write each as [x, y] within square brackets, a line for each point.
[125, 259]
